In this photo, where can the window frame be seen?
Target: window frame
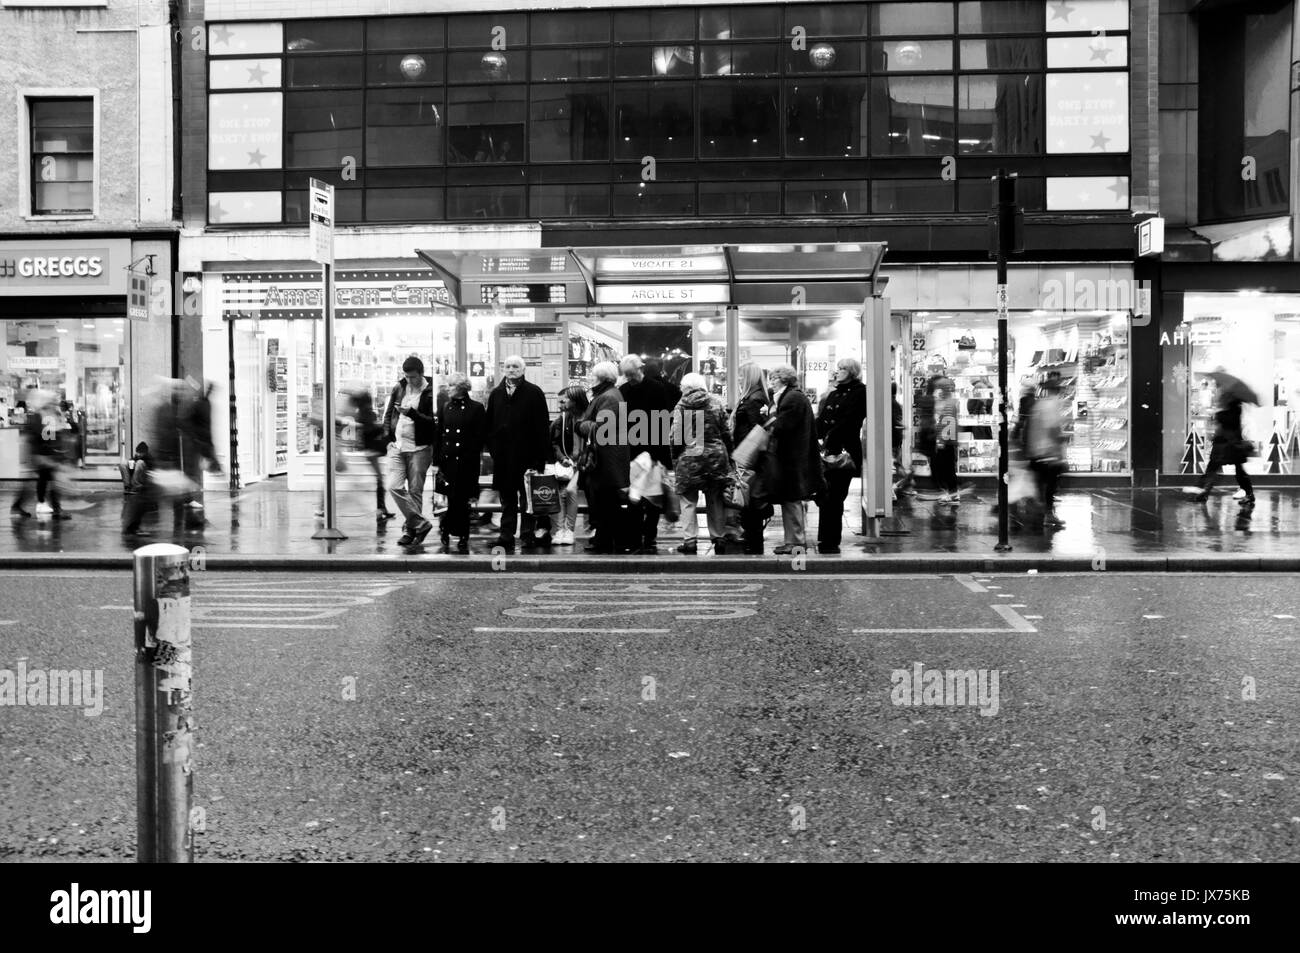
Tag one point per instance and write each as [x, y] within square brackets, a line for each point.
[26, 184]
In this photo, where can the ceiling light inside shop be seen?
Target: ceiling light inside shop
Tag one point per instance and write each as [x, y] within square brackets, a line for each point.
[706, 327]
[62, 330]
[87, 324]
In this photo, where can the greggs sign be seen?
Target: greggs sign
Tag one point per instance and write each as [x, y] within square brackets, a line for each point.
[64, 268]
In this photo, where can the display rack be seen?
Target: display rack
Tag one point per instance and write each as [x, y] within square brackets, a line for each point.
[589, 346]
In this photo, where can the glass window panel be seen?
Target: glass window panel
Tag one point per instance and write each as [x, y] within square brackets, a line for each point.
[1087, 112]
[569, 123]
[244, 74]
[413, 66]
[485, 201]
[488, 67]
[1000, 115]
[976, 195]
[63, 198]
[404, 126]
[912, 115]
[848, 19]
[740, 198]
[486, 124]
[739, 120]
[847, 197]
[1087, 52]
[246, 130]
[315, 36]
[1087, 193]
[1001, 16]
[404, 33]
[592, 63]
[828, 56]
[403, 205]
[1078, 16]
[568, 28]
[826, 117]
[638, 26]
[63, 168]
[1002, 54]
[901, 19]
[569, 201]
[654, 198]
[347, 205]
[231, 208]
[739, 60]
[740, 23]
[912, 56]
[653, 119]
[322, 128]
[911, 195]
[63, 125]
[488, 31]
[244, 39]
[324, 71]
[656, 61]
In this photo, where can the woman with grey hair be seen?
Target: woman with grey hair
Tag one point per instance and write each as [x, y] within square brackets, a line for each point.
[793, 473]
[463, 430]
[609, 476]
[839, 425]
[701, 444]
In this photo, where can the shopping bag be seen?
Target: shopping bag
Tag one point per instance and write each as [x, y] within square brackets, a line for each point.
[1020, 485]
[173, 483]
[747, 454]
[646, 479]
[543, 491]
[672, 504]
[736, 494]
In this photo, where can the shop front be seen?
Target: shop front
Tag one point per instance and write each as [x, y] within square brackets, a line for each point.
[67, 336]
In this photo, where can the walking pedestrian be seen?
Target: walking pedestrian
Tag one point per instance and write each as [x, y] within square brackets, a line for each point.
[751, 411]
[462, 431]
[649, 407]
[943, 465]
[839, 425]
[42, 442]
[609, 474]
[370, 438]
[566, 448]
[411, 433]
[1229, 446]
[702, 446]
[795, 463]
[518, 438]
[1045, 447]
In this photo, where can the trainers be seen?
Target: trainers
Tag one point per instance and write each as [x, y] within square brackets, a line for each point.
[1247, 502]
[44, 509]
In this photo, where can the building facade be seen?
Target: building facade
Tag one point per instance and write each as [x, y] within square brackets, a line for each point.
[700, 183]
[87, 196]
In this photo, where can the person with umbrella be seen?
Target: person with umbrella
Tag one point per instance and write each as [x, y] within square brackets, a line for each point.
[1229, 446]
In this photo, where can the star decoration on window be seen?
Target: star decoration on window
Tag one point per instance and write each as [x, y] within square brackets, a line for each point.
[222, 35]
[1061, 11]
[1100, 53]
[256, 157]
[257, 74]
[1099, 141]
[1120, 188]
[215, 212]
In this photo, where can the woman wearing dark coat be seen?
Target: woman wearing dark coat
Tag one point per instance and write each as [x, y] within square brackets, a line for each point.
[1228, 448]
[463, 426]
[751, 411]
[519, 439]
[608, 482]
[795, 471]
[839, 425]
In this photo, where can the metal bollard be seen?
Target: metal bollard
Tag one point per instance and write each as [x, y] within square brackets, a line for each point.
[164, 720]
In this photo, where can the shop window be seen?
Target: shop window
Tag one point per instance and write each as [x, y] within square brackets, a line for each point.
[63, 156]
[347, 203]
[739, 120]
[900, 19]
[653, 119]
[840, 19]
[827, 56]
[740, 23]
[486, 202]
[569, 123]
[654, 198]
[847, 197]
[976, 195]
[747, 60]
[570, 28]
[322, 128]
[740, 198]
[1002, 54]
[1000, 115]
[912, 56]
[306, 71]
[632, 26]
[405, 68]
[318, 36]
[591, 63]
[404, 33]
[568, 201]
[912, 115]
[493, 66]
[404, 127]
[671, 61]
[911, 195]
[486, 124]
[826, 117]
[1001, 16]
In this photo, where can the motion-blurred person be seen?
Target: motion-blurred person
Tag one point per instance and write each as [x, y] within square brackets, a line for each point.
[42, 442]
[1229, 446]
[566, 448]
[609, 478]
[702, 446]
[166, 415]
[198, 452]
[373, 444]
[1045, 447]
[796, 460]
[898, 433]
[518, 438]
[411, 433]
[653, 369]
[462, 431]
[751, 411]
[649, 403]
[839, 425]
[943, 465]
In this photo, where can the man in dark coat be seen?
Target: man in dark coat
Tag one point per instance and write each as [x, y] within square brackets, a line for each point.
[650, 405]
[796, 460]
[608, 482]
[653, 369]
[463, 430]
[519, 439]
[839, 425]
[411, 425]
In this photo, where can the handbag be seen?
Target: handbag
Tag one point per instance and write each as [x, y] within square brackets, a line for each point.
[838, 461]
[755, 443]
[672, 504]
[736, 494]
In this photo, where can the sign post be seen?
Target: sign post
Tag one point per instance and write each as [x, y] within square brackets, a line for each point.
[322, 243]
[1007, 226]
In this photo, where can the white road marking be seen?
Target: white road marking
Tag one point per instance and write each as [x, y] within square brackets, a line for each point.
[1018, 605]
[1033, 617]
[8, 621]
[1153, 617]
[1005, 595]
[223, 624]
[970, 583]
[1276, 617]
[1018, 624]
[488, 628]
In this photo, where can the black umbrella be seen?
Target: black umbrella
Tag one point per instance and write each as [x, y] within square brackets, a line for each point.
[1233, 388]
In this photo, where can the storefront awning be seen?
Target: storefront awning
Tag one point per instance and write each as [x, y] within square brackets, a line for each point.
[663, 277]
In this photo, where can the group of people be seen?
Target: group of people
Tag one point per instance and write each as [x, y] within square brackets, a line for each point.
[803, 456]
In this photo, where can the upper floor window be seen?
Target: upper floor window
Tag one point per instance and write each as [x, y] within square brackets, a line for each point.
[63, 156]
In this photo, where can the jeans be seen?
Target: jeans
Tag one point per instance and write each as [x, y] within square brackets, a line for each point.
[714, 508]
[406, 475]
[943, 467]
[830, 511]
[793, 522]
[44, 483]
[568, 515]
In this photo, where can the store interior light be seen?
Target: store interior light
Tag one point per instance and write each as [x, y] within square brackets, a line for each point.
[62, 330]
[88, 325]
[706, 327]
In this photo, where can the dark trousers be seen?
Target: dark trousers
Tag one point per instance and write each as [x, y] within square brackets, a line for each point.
[146, 497]
[943, 467]
[513, 512]
[752, 525]
[830, 507]
[1049, 478]
[646, 516]
[1214, 467]
[455, 522]
[44, 487]
[616, 528]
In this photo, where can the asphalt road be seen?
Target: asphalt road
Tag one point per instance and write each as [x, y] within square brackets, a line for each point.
[508, 717]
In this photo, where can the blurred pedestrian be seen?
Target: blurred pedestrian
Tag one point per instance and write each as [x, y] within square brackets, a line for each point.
[751, 411]
[609, 474]
[198, 454]
[1045, 447]
[943, 465]
[566, 448]
[794, 473]
[42, 441]
[1229, 446]
[653, 369]
[463, 429]
[701, 444]
[518, 438]
[166, 413]
[649, 406]
[411, 432]
[839, 425]
[373, 444]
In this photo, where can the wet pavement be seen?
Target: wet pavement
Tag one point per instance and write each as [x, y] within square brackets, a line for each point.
[746, 717]
[266, 519]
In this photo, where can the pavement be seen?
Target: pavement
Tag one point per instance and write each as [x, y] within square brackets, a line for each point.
[264, 526]
[1112, 718]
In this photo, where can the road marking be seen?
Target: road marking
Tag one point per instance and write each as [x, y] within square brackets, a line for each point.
[1033, 617]
[1018, 624]
[520, 628]
[563, 601]
[1018, 605]
[1276, 617]
[119, 608]
[970, 583]
[1153, 617]
[1005, 595]
[223, 624]
[8, 621]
